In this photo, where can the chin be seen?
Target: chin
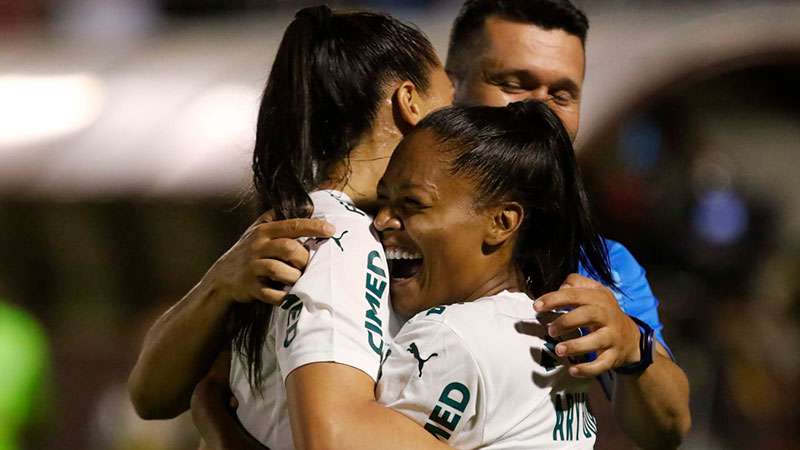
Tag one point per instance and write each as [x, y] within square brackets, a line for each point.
[401, 306]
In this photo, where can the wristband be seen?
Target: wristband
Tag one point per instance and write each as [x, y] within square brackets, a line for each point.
[645, 350]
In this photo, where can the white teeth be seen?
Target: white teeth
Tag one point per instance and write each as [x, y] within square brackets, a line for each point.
[397, 253]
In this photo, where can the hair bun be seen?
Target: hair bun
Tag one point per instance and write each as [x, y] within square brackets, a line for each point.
[319, 15]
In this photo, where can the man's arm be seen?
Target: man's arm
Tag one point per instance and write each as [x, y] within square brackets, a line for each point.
[653, 407]
[332, 406]
[180, 347]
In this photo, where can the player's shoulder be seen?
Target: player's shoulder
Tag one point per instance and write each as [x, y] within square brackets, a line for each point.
[354, 233]
[463, 318]
[337, 206]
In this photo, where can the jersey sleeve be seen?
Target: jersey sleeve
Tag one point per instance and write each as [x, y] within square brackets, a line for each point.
[636, 298]
[430, 376]
[338, 311]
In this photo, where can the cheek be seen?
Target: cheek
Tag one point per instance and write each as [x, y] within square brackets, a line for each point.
[570, 118]
[454, 249]
[487, 95]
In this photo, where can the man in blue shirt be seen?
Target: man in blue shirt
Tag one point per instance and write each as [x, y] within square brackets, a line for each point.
[503, 51]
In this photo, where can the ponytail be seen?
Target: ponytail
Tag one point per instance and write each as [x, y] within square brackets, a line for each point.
[283, 163]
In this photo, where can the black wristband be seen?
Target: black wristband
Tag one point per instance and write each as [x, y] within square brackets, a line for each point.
[645, 350]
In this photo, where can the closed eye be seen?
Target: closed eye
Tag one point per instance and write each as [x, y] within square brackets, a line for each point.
[413, 203]
[562, 98]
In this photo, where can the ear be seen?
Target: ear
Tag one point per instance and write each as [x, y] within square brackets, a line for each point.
[407, 104]
[505, 220]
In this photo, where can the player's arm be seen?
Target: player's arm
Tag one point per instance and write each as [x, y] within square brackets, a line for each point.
[215, 416]
[652, 408]
[180, 347]
[332, 406]
[330, 347]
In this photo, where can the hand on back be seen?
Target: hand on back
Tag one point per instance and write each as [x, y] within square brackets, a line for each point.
[613, 335]
[265, 259]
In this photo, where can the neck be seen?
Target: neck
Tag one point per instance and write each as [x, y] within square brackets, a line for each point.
[358, 175]
[507, 278]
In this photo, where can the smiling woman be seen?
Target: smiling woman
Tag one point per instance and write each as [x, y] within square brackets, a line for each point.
[485, 206]
[490, 195]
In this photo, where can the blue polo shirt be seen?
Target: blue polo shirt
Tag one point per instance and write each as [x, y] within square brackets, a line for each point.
[635, 296]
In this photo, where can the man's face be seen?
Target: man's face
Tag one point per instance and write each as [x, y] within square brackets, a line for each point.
[520, 61]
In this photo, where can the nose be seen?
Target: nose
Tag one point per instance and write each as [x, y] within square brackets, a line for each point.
[387, 220]
[540, 94]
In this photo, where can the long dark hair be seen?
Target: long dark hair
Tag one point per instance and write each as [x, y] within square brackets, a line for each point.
[330, 74]
[522, 153]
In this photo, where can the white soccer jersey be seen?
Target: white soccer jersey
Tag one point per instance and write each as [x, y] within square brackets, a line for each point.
[337, 312]
[483, 375]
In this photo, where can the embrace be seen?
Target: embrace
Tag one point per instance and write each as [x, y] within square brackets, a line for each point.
[424, 274]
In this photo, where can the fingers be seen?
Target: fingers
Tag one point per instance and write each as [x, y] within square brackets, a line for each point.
[284, 249]
[266, 217]
[558, 300]
[603, 363]
[579, 281]
[269, 296]
[275, 270]
[295, 228]
[584, 316]
[573, 297]
[592, 342]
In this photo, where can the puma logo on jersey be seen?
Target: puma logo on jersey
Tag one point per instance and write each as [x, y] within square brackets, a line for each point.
[338, 240]
[549, 359]
[420, 360]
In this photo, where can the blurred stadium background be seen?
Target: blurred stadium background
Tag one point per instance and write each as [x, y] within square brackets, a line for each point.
[125, 132]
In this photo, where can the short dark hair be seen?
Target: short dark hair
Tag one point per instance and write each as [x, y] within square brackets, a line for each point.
[522, 153]
[329, 77]
[547, 14]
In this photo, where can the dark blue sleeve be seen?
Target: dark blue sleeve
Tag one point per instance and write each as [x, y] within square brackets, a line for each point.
[636, 298]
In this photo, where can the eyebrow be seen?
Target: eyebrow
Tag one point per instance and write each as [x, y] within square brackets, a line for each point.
[567, 85]
[407, 185]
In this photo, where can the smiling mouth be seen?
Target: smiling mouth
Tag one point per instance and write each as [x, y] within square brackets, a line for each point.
[403, 264]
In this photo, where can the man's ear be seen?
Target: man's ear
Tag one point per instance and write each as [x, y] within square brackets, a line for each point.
[505, 220]
[407, 106]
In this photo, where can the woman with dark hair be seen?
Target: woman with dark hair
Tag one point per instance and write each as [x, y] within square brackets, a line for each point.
[343, 89]
[486, 207]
